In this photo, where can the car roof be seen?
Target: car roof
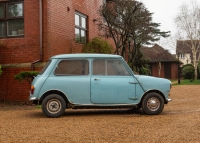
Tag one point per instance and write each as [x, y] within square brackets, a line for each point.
[62, 56]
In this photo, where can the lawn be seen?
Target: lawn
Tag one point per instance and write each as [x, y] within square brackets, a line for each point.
[187, 82]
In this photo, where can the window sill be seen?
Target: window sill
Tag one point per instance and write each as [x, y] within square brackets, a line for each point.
[10, 37]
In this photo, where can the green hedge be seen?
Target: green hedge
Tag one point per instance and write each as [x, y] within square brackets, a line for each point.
[97, 45]
[26, 75]
[188, 71]
[0, 70]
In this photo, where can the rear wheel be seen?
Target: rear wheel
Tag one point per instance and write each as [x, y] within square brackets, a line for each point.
[153, 104]
[53, 106]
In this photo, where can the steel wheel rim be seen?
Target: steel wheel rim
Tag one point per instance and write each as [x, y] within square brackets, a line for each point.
[54, 106]
[153, 104]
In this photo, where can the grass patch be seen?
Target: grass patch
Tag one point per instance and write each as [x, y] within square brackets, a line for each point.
[187, 82]
[173, 80]
[39, 106]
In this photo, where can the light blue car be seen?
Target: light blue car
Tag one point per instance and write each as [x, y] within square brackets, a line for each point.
[80, 81]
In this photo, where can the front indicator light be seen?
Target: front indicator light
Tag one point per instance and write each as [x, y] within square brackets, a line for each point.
[32, 89]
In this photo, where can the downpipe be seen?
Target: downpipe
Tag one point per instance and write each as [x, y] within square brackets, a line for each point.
[40, 23]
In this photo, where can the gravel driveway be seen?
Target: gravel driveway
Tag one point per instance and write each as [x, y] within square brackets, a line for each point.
[179, 122]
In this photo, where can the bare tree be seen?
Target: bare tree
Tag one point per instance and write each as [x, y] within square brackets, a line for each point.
[188, 24]
[122, 18]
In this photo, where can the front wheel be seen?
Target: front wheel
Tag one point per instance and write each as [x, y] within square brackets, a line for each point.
[53, 106]
[153, 104]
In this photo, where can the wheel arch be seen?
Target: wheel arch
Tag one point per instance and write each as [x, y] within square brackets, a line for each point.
[53, 92]
[156, 91]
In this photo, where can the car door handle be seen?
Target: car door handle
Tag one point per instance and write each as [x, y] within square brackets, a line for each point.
[96, 79]
[132, 82]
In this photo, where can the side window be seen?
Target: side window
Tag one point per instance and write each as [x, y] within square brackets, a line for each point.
[109, 67]
[115, 67]
[72, 67]
[99, 67]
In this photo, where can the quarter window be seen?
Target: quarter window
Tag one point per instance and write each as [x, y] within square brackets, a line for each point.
[72, 67]
[80, 27]
[45, 67]
[11, 19]
[109, 67]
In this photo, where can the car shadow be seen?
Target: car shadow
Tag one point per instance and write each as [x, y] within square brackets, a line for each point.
[96, 112]
[90, 112]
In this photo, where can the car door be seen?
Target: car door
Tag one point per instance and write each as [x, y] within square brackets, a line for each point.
[73, 79]
[111, 83]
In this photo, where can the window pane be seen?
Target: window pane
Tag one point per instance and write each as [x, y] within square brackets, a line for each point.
[73, 67]
[77, 34]
[83, 38]
[83, 22]
[99, 67]
[1, 11]
[15, 10]
[2, 29]
[115, 67]
[16, 27]
[77, 22]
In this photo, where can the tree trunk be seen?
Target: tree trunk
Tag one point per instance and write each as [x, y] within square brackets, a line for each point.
[195, 63]
[159, 68]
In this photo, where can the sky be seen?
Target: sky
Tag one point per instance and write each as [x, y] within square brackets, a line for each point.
[165, 12]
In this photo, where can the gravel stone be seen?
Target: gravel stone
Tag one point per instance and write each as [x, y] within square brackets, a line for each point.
[179, 122]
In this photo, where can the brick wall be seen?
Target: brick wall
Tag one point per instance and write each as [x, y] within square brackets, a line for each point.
[26, 49]
[174, 71]
[18, 54]
[61, 24]
[11, 89]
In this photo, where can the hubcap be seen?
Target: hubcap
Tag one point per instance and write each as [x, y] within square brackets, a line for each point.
[153, 104]
[54, 106]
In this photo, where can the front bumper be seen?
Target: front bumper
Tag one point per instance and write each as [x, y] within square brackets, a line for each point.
[168, 100]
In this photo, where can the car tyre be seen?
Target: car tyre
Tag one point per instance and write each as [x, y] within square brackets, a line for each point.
[53, 106]
[153, 104]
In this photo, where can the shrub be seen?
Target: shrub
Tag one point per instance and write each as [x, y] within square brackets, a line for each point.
[0, 70]
[97, 45]
[26, 75]
[145, 71]
[198, 69]
[187, 66]
[188, 71]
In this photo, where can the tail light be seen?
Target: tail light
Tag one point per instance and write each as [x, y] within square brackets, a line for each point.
[32, 89]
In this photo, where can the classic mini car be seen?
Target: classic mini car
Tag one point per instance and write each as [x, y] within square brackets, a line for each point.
[96, 81]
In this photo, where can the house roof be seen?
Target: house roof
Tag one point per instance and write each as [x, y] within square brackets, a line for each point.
[157, 53]
[183, 46]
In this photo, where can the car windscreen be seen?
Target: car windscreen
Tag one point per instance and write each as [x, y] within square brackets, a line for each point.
[45, 67]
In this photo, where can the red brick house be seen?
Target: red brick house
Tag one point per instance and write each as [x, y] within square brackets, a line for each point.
[34, 30]
[162, 63]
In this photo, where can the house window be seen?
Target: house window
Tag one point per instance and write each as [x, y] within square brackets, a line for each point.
[182, 56]
[11, 19]
[80, 27]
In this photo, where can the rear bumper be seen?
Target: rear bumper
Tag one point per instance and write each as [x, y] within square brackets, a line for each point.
[33, 98]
